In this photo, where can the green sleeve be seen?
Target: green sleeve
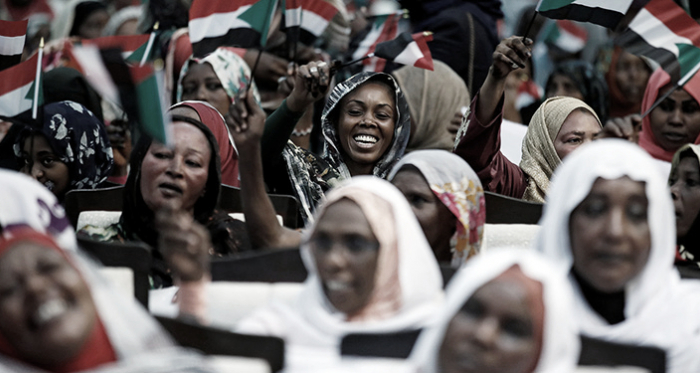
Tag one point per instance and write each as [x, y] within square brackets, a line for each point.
[278, 127]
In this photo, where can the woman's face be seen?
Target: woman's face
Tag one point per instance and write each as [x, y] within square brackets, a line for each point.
[562, 85]
[493, 332]
[366, 124]
[676, 121]
[46, 307]
[177, 173]
[93, 25]
[579, 128]
[436, 220]
[345, 251]
[201, 84]
[631, 76]
[685, 190]
[610, 235]
[46, 167]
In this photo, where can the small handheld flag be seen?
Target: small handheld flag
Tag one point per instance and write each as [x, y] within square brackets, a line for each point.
[310, 17]
[151, 107]
[408, 49]
[149, 46]
[16, 87]
[235, 23]
[381, 29]
[605, 13]
[12, 37]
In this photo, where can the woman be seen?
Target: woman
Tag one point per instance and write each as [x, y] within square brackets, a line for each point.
[559, 126]
[188, 174]
[60, 316]
[627, 78]
[447, 198]
[609, 219]
[84, 19]
[505, 311]
[435, 99]
[210, 117]
[675, 122]
[577, 79]
[219, 79]
[370, 270]
[685, 191]
[70, 151]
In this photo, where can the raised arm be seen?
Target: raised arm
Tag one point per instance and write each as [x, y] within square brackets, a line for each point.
[247, 122]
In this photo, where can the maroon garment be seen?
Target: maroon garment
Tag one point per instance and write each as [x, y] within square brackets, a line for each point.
[480, 146]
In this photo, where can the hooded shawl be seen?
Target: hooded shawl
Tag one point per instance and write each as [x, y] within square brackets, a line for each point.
[660, 309]
[457, 186]
[688, 246]
[560, 342]
[407, 281]
[137, 341]
[26, 202]
[433, 99]
[540, 158]
[658, 80]
[311, 176]
[79, 140]
[211, 118]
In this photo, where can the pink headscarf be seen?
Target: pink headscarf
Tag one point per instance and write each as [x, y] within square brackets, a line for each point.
[658, 80]
[227, 149]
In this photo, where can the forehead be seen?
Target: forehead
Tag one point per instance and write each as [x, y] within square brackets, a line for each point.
[680, 95]
[689, 162]
[371, 91]
[409, 177]
[504, 295]
[38, 143]
[343, 216]
[188, 136]
[580, 121]
[23, 255]
[199, 71]
[620, 187]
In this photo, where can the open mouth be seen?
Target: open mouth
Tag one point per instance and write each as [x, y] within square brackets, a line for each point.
[47, 312]
[674, 137]
[170, 188]
[335, 285]
[365, 141]
[49, 185]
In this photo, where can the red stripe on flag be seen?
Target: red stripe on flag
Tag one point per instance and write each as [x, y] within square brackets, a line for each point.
[675, 18]
[127, 43]
[389, 31]
[18, 76]
[205, 8]
[322, 8]
[140, 73]
[13, 29]
[422, 40]
[573, 29]
[291, 4]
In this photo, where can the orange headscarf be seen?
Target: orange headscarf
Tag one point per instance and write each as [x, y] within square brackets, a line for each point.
[657, 81]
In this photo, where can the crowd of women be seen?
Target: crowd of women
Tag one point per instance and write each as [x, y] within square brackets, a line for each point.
[390, 170]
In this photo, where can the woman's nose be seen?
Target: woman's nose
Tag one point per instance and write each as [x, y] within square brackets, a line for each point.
[486, 332]
[37, 172]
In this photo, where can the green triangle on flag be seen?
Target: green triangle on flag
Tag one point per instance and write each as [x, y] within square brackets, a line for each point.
[152, 120]
[688, 57]
[259, 16]
[30, 93]
[546, 5]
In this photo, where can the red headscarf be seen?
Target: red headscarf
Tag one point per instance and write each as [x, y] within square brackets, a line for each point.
[658, 80]
[619, 106]
[97, 350]
[227, 150]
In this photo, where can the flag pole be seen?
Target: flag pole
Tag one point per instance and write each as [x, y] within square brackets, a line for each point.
[149, 46]
[37, 79]
[529, 26]
[680, 84]
[355, 61]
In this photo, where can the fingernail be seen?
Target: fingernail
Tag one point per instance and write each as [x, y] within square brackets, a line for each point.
[514, 65]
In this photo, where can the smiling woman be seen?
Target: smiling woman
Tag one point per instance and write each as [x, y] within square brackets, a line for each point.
[610, 220]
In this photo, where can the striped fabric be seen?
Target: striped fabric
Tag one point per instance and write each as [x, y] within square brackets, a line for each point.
[606, 13]
[12, 37]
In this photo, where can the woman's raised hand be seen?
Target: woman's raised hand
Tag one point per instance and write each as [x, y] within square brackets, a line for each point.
[311, 82]
[183, 242]
[246, 120]
[627, 128]
[510, 54]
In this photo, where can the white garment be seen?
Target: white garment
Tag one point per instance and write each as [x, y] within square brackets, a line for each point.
[24, 201]
[312, 329]
[560, 341]
[660, 309]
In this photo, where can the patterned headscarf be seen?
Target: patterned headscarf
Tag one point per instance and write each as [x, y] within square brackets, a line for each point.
[457, 186]
[230, 68]
[589, 81]
[540, 158]
[79, 140]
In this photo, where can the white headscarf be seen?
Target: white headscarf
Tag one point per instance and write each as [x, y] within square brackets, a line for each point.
[560, 341]
[457, 186]
[312, 328]
[660, 309]
[25, 201]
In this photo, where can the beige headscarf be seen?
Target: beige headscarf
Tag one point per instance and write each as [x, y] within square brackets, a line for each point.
[433, 99]
[539, 158]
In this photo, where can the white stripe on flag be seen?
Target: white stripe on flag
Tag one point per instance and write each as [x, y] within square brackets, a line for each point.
[292, 17]
[11, 45]
[368, 41]
[410, 54]
[15, 102]
[313, 22]
[620, 6]
[569, 42]
[655, 32]
[216, 24]
[88, 57]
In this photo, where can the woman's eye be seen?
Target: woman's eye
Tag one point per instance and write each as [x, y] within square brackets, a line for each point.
[690, 107]
[574, 140]
[517, 328]
[214, 86]
[637, 211]
[192, 163]
[8, 291]
[417, 200]
[594, 208]
[473, 308]
[690, 182]
[188, 90]
[667, 105]
[358, 244]
[161, 155]
[47, 161]
[354, 112]
[321, 243]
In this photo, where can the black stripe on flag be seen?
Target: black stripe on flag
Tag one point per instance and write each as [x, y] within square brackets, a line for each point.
[389, 50]
[239, 37]
[9, 61]
[576, 12]
[633, 43]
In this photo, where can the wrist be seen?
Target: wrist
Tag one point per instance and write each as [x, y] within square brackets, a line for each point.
[295, 104]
